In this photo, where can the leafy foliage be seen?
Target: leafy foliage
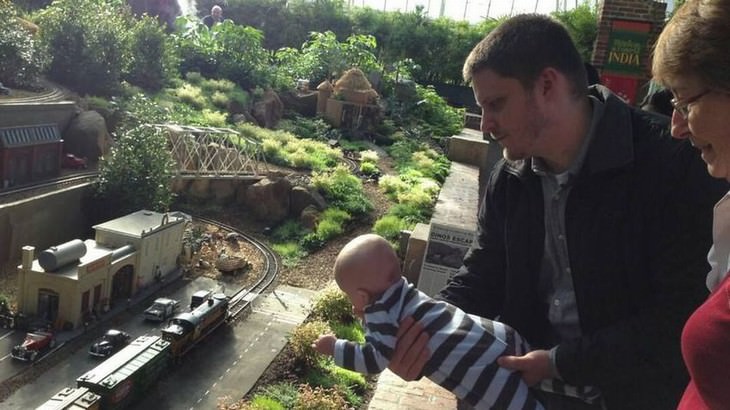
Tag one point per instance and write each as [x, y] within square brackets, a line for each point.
[137, 175]
[319, 398]
[343, 190]
[582, 24]
[87, 44]
[152, 61]
[226, 50]
[301, 340]
[332, 306]
[323, 57]
[21, 57]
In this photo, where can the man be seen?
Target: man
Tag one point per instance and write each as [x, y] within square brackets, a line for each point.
[215, 16]
[593, 230]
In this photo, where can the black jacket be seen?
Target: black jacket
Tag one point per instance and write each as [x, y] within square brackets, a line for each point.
[638, 223]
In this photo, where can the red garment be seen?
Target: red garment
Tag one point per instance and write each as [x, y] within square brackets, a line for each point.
[706, 352]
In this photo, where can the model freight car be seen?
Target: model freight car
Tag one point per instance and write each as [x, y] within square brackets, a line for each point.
[123, 378]
[185, 330]
[70, 398]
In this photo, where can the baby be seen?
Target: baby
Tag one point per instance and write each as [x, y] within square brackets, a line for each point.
[464, 348]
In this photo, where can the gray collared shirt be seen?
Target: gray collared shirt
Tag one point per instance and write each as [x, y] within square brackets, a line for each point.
[556, 281]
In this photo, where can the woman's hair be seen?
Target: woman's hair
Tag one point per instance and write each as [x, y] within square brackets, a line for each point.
[696, 43]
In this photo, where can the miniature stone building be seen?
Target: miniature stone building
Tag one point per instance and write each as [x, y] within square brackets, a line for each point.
[69, 282]
[350, 100]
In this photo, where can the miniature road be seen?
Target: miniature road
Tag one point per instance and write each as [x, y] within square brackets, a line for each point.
[229, 362]
[225, 364]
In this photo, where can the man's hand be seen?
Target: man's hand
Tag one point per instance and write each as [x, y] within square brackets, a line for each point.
[411, 351]
[534, 366]
[325, 344]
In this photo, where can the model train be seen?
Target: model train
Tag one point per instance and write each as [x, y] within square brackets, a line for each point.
[121, 379]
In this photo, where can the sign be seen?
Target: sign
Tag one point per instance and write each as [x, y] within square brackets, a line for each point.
[627, 48]
[443, 257]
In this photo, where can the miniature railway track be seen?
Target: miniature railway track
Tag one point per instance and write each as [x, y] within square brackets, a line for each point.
[20, 193]
[241, 300]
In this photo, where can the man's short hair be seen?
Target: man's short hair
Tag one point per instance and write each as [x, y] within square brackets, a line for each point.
[523, 46]
[216, 8]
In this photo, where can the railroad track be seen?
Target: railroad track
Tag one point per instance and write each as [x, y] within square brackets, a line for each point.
[20, 193]
[242, 299]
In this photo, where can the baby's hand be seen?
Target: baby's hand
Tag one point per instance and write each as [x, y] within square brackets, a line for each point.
[325, 344]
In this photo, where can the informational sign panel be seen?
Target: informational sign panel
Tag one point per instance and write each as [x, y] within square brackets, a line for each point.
[624, 87]
[444, 254]
[627, 48]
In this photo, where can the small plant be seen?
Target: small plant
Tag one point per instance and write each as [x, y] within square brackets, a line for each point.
[191, 95]
[343, 190]
[265, 403]
[389, 227]
[284, 393]
[369, 156]
[301, 340]
[290, 252]
[369, 168]
[332, 305]
[194, 77]
[213, 118]
[220, 100]
[319, 398]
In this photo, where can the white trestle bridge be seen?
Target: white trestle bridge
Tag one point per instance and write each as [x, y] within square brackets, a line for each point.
[211, 152]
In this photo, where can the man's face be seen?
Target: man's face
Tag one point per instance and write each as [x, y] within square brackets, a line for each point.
[510, 114]
[217, 13]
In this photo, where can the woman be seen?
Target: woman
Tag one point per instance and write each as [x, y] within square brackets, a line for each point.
[692, 58]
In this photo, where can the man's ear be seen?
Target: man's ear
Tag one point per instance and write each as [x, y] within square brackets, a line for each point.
[546, 82]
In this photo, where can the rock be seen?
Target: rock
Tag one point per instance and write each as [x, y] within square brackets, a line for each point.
[302, 198]
[302, 103]
[269, 110]
[309, 217]
[269, 199]
[87, 136]
[223, 190]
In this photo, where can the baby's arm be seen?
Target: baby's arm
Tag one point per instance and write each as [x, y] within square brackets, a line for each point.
[325, 344]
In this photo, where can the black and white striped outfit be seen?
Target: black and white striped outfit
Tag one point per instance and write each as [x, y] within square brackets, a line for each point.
[464, 349]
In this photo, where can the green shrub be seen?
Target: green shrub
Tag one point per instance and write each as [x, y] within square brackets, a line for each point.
[220, 100]
[389, 227]
[369, 168]
[194, 77]
[152, 59]
[22, 59]
[350, 331]
[319, 398]
[343, 190]
[301, 340]
[284, 393]
[369, 156]
[265, 403]
[329, 376]
[289, 230]
[328, 229]
[290, 252]
[311, 242]
[221, 85]
[332, 305]
[213, 118]
[137, 175]
[192, 95]
[87, 44]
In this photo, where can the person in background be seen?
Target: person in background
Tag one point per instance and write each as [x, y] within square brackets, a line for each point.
[592, 230]
[692, 59]
[215, 16]
[658, 100]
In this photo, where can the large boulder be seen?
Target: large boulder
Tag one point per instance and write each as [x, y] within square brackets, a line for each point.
[269, 199]
[87, 136]
[302, 103]
[301, 198]
[269, 110]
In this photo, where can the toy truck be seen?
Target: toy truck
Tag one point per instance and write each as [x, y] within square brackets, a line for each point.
[161, 309]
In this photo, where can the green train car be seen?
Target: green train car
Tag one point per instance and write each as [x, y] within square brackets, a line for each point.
[72, 399]
[124, 377]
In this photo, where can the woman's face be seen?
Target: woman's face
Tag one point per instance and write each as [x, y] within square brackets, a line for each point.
[706, 123]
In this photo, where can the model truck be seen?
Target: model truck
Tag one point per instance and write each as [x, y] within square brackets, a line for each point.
[161, 309]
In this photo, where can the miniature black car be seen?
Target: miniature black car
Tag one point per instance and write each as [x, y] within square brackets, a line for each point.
[110, 343]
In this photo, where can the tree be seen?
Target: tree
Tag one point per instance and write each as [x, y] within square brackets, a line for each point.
[137, 175]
